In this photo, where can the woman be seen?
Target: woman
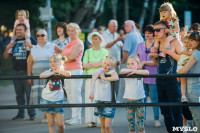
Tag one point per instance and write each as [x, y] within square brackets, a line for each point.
[193, 84]
[92, 60]
[143, 51]
[61, 32]
[38, 62]
[73, 53]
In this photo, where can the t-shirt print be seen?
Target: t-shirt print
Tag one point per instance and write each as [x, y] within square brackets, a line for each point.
[54, 84]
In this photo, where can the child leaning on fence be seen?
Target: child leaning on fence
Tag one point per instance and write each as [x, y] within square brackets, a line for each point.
[53, 94]
[100, 91]
[134, 93]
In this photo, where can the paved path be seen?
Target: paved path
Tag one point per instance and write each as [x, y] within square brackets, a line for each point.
[119, 125]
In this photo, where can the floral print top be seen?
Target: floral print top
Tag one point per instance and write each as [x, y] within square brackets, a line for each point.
[170, 25]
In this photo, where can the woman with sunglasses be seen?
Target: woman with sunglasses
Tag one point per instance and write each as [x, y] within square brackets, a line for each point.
[38, 62]
[193, 84]
[73, 53]
[143, 51]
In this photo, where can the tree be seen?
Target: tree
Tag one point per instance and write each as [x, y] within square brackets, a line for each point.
[143, 14]
[152, 11]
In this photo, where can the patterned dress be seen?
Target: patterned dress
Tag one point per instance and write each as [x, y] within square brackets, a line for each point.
[170, 25]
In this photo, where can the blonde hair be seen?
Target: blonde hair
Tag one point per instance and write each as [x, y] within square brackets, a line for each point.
[113, 60]
[135, 57]
[167, 7]
[56, 57]
[25, 12]
[75, 26]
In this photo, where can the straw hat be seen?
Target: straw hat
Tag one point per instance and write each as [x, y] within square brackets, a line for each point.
[103, 43]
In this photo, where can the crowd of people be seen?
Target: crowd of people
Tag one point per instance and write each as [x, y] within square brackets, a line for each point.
[163, 49]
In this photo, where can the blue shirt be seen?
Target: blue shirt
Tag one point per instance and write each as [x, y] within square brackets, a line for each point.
[131, 41]
[194, 82]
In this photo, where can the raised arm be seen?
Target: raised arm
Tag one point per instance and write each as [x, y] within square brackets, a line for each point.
[46, 74]
[6, 54]
[114, 77]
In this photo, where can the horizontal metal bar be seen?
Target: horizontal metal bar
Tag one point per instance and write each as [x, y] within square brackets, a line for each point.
[97, 105]
[90, 76]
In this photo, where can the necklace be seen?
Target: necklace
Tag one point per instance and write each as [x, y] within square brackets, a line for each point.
[147, 50]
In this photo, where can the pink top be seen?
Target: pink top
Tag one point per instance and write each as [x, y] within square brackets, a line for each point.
[25, 22]
[77, 64]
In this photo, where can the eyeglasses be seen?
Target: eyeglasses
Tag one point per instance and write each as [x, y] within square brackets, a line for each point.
[158, 29]
[40, 35]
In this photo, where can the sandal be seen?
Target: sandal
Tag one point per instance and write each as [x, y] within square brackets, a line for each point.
[91, 124]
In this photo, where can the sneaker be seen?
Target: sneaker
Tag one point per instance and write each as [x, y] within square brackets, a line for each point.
[162, 54]
[148, 99]
[44, 121]
[157, 123]
[91, 124]
[184, 99]
[75, 122]
[18, 117]
[68, 121]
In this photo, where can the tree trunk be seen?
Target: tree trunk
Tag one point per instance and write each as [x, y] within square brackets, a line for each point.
[153, 10]
[114, 8]
[143, 14]
[126, 10]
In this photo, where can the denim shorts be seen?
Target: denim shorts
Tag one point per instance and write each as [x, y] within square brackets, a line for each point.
[51, 110]
[106, 112]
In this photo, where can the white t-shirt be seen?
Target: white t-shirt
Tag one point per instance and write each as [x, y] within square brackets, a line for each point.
[114, 50]
[42, 53]
[53, 90]
[134, 88]
[103, 88]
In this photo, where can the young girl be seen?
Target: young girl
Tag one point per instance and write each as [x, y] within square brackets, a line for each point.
[134, 93]
[22, 17]
[167, 14]
[53, 94]
[102, 94]
[185, 55]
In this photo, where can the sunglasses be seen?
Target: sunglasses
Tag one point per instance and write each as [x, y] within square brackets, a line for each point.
[158, 29]
[42, 35]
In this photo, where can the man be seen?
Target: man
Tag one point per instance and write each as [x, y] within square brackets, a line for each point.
[168, 88]
[113, 45]
[133, 38]
[19, 52]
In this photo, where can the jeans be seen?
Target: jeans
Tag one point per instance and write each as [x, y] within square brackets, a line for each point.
[73, 90]
[22, 87]
[193, 95]
[169, 91]
[152, 90]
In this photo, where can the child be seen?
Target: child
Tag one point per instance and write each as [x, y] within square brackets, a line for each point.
[102, 94]
[185, 55]
[134, 93]
[167, 14]
[22, 17]
[53, 94]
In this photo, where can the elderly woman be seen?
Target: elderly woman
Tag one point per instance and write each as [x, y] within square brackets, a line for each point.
[193, 84]
[61, 32]
[92, 60]
[38, 62]
[143, 51]
[73, 53]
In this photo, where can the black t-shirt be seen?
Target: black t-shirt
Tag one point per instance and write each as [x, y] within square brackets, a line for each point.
[20, 54]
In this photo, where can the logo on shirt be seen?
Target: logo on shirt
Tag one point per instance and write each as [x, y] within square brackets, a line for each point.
[54, 84]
